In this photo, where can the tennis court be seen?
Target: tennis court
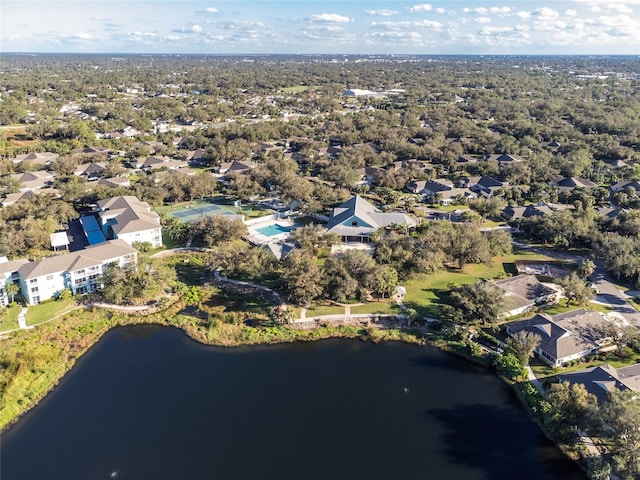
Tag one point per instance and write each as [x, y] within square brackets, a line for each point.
[195, 211]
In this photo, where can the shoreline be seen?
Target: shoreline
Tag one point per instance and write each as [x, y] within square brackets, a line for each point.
[228, 336]
[231, 336]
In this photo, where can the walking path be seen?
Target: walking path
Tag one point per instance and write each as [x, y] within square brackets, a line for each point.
[22, 319]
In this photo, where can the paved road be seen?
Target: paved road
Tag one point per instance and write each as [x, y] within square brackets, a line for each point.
[608, 295]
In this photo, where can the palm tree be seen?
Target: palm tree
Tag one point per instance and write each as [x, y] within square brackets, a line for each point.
[12, 290]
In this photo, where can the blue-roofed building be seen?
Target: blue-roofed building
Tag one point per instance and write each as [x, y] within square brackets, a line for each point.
[92, 230]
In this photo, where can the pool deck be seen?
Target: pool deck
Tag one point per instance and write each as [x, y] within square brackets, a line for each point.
[258, 238]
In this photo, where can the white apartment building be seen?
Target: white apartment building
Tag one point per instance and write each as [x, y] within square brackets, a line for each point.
[81, 271]
[129, 219]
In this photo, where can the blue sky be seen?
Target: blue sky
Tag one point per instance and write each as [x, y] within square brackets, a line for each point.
[329, 26]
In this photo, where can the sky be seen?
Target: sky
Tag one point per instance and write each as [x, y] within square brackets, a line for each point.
[516, 27]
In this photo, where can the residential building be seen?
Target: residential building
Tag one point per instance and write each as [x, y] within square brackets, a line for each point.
[565, 337]
[523, 292]
[129, 219]
[356, 219]
[80, 271]
[603, 379]
[8, 274]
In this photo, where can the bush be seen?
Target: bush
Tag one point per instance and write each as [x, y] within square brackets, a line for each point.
[509, 366]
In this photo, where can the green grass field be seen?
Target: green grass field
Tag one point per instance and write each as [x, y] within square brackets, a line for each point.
[429, 294]
[328, 309]
[382, 307]
[10, 321]
[46, 311]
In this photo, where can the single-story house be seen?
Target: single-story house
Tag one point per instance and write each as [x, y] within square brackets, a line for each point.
[565, 337]
[523, 292]
[603, 379]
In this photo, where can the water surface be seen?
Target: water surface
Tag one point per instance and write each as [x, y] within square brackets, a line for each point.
[149, 403]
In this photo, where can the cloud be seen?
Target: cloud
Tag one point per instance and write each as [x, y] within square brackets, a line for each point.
[329, 18]
[523, 15]
[82, 36]
[242, 25]
[192, 29]
[571, 13]
[406, 25]
[423, 7]
[478, 10]
[483, 20]
[545, 14]
[210, 11]
[441, 10]
[382, 13]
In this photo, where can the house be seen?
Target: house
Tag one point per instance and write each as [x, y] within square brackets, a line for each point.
[523, 292]
[504, 159]
[484, 185]
[603, 379]
[237, 167]
[356, 219]
[368, 175]
[12, 198]
[8, 274]
[625, 184]
[455, 196]
[430, 187]
[34, 180]
[511, 213]
[42, 159]
[548, 268]
[565, 337]
[115, 182]
[80, 271]
[129, 219]
[91, 171]
[569, 183]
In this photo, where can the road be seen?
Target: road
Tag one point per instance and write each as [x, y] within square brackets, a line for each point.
[608, 292]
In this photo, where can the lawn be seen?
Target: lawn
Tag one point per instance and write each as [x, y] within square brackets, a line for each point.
[10, 321]
[562, 308]
[324, 309]
[429, 294]
[46, 311]
[382, 307]
[542, 370]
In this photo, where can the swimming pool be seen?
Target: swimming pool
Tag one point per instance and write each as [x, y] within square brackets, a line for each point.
[272, 230]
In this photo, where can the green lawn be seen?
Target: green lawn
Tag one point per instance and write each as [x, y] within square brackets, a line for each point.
[429, 294]
[10, 321]
[382, 307]
[562, 308]
[46, 311]
[317, 310]
[542, 370]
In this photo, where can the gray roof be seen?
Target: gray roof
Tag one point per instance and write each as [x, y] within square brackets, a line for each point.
[131, 214]
[564, 335]
[598, 381]
[90, 256]
[365, 211]
[526, 286]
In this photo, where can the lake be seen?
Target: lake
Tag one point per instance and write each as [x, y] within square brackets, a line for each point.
[147, 402]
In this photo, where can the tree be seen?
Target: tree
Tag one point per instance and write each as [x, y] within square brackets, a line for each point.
[218, 229]
[385, 280]
[618, 421]
[481, 301]
[568, 406]
[313, 238]
[299, 277]
[575, 289]
[12, 290]
[468, 245]
[586, 269]
[523, 344]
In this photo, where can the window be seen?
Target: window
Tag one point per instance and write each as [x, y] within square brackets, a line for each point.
[34, 289]
[354, 223]
[36, 299]
[33, 281]
[49, 277]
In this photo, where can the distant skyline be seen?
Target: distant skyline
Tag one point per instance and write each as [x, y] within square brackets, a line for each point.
[541, 27]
